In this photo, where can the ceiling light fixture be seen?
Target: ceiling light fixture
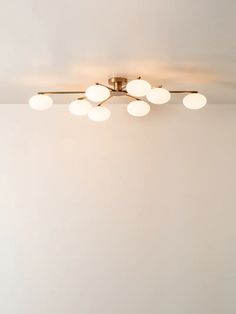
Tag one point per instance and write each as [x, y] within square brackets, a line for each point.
[139, 90]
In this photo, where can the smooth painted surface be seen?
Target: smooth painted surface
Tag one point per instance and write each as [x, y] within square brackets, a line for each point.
[71, 44]
[130, 216]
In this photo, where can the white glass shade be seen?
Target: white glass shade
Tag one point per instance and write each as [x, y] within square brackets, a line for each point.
[97, 93]
[194, 101]
[138, 108]
[80, 107]
[138, 88]
[158, 96]
[40, 102]
[99, 114]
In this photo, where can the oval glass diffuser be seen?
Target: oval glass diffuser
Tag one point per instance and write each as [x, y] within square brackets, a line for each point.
[194, 101]
[40, 102]
[97, 93]
[138, 108]
[158, 96]
[138, 88]
[80, 107]
[99, 114]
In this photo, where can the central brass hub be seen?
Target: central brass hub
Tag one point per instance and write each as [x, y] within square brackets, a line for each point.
[117, 83]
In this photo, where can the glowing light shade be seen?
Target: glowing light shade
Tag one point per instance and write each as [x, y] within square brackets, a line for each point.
[138, 88]
[99, 114]
[97, 93]
[40, 102]
[80, 107]
[138, 108]
[158, 96]
[194, 101]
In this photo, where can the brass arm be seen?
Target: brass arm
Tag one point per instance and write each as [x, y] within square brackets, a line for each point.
[60, 93]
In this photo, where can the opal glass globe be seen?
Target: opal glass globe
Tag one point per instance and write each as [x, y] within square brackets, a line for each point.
[80, 107]
[194, 101]
[138, 88]
[99, 114]
[138, 108]
[158, 96]
[40, 102]
[97, 93]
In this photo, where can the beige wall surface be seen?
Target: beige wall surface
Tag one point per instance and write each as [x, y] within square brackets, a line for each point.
[130, 216]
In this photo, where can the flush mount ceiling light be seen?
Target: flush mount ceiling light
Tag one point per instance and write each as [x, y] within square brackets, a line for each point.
[141, 92]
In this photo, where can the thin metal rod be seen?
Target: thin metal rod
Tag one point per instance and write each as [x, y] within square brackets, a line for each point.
[132, 97]
[111, 89]
[183, 91]
[101, 103]
[60, 93]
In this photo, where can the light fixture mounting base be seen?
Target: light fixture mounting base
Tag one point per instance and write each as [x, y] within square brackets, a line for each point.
[117, 83]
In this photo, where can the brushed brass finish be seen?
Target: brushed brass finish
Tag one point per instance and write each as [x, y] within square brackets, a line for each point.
[183, 91]
[111, 89]
[118, 83]
[118, 89]
[101, 103]
[61, 93]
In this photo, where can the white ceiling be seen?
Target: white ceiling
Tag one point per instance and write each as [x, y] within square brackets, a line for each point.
[69, 44]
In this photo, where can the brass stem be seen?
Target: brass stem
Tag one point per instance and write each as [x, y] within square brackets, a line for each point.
[183, 91]
[60, 93]
[111, 89]
[126, 94]
[101, 103]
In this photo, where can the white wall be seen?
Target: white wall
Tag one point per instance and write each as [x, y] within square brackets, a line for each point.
[131, 216]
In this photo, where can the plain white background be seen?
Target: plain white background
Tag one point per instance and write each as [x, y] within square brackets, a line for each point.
[128, 216]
